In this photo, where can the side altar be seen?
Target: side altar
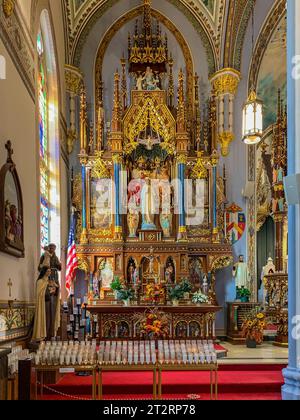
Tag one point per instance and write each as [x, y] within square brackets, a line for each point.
[151, 195]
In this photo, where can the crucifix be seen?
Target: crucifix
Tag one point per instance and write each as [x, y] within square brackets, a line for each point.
[9, 285]
[10, 151]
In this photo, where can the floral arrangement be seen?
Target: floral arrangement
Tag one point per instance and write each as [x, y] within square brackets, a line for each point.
[155, 293]
[154, 325]
[253, 327]
[199, 298]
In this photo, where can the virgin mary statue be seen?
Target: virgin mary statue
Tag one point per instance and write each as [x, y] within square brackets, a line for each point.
[146, 198]
[47, 312]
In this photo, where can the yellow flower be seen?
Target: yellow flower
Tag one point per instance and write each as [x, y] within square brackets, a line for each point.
[260, 316]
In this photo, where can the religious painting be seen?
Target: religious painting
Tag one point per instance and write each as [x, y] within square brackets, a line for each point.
[137, 329]
[181, 330]
[106, 272]
[123, 330]
[264, 177]
[101, 204]
[194, 329]
[11, 209]
[110, 330]
[273, 73]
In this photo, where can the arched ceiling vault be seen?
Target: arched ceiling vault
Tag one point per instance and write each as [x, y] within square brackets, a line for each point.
[275, 16]
[221, 25]
[206, 17]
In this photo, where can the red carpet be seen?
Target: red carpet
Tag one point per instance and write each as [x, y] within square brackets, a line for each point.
[236, 382]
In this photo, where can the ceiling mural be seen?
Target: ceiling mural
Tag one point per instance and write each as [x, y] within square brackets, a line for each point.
[272, 74]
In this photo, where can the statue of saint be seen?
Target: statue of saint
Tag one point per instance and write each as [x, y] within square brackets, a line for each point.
[150, 80]
[139, 82]
[169, 274]
[205, 286]
[269, 268]
[241, 274]
[151, 264]
[166, 219]
[52, 261]
[47, 312]
[146, 201]
[96, 289]
[131, 270]
[107, 275]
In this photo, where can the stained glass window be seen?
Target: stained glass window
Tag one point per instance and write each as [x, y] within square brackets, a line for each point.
[44, 146]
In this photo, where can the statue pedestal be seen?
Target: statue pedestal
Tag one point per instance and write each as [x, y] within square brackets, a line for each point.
[150, 235]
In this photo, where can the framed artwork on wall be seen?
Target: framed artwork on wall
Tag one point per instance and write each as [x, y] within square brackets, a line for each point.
[11, 208]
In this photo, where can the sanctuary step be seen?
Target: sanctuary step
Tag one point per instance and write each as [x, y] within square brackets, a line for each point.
[235, 382]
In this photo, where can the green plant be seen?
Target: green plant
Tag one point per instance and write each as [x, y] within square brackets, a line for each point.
[125, 294]
[175, 292]
[199, 297]
[244, 293]
[116, 285]
[186, 286]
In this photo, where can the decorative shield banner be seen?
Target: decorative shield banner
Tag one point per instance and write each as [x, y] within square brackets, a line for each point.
[235, 223]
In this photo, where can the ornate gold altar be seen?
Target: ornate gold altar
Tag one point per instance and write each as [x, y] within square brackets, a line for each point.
[276, 287]
[150, 196]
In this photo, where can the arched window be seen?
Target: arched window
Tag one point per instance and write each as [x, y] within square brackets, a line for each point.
[49, 150]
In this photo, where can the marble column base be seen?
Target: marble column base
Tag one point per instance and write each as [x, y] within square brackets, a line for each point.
[291, 389]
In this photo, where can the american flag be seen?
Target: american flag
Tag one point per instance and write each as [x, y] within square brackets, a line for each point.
[72, 261]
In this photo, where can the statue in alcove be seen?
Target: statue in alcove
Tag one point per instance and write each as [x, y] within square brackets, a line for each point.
[131, 271]
[196, 275]
[205, 286]
[123, 330]
[170, 276]
[150, 80]
[106, 273]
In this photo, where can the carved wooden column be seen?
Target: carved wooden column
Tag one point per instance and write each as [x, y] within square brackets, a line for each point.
[116, 140]
[182, 141]
[225, 84]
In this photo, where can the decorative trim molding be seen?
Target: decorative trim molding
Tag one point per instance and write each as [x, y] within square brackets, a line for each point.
[15, 320]
[20, 48]
[241, 33]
